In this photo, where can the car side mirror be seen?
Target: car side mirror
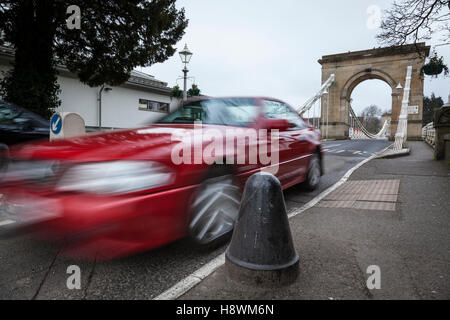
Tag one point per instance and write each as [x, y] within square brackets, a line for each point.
[276, 124]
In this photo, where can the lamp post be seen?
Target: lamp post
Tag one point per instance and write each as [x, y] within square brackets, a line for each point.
[185, 56]
[99, 99]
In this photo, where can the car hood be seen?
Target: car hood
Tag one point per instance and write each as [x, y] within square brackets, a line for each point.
[152, 142]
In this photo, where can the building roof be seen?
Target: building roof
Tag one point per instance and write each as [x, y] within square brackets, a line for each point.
[138, 80]
[142, 75]
[144, 80]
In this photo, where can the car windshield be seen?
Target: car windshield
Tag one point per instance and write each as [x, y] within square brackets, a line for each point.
[238, 112]
[8, 112]
[12, 114]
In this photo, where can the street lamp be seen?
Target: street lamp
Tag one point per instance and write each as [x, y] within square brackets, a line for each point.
[99, 99]
[185, 56]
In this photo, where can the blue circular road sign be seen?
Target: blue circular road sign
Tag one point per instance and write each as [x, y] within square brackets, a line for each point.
[56, 124]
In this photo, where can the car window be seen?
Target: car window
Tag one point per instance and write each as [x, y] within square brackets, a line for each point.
[8, 113]
[186, 114]
[279, 110]
[225, 111]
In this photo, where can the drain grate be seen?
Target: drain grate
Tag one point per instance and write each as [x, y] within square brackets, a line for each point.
[364, 194]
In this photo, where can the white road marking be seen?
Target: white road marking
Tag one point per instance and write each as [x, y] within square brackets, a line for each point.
[195, 278]
[192, 280]
[340, 151]
[6, 222]
[333, 145]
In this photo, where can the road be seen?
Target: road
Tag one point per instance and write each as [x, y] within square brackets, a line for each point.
[34, 270]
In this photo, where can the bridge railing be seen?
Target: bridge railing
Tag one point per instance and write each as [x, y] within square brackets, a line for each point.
[428, 134]
[311, 110]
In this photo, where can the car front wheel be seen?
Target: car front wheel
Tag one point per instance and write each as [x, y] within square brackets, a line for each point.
[214, 209]
[314, 173]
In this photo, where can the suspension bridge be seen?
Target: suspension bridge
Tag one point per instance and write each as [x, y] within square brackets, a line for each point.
[330, 109]
[357, 129]
[311, 111]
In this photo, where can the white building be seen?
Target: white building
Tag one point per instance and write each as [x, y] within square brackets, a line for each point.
[142, 99]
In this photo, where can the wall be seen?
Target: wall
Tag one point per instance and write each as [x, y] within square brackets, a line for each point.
[120, 106]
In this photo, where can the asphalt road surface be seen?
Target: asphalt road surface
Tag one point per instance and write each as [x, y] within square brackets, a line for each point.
[35, 270]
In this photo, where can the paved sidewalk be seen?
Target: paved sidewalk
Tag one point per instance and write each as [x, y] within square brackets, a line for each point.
[409, 239]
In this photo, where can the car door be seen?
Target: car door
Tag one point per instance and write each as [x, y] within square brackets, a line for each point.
[293, 142]
[299, 147]
[19, 125]
[9, 131]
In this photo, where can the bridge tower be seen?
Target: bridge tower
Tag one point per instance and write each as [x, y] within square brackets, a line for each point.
[386, 64]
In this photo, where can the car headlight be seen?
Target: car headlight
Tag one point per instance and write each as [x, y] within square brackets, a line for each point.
[115, 177]
[24, 170]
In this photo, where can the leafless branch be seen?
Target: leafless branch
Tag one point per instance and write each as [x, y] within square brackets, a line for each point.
[412, 21]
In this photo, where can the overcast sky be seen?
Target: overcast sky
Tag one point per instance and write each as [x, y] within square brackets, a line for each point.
[271, 48]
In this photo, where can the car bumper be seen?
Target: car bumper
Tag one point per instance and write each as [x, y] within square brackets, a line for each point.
[97, 227]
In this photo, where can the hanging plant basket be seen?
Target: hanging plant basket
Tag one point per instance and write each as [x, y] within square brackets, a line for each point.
[433, 69]
[194, 91]
[176, 92]
[435, 66]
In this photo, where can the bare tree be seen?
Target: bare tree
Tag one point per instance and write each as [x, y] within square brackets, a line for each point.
[412, 21]
[371, 118]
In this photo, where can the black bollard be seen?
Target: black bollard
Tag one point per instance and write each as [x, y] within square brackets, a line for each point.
[261, 251]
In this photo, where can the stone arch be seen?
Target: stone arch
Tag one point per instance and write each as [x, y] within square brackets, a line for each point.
[362, 76]
[385, 64]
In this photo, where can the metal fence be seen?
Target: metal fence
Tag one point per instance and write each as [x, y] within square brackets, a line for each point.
[428, 134]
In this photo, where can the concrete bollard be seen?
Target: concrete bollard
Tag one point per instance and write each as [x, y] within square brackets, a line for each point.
[66, 125]
[261, 251]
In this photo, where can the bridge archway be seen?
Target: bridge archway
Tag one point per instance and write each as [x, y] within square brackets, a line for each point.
[367, 93]
[386, 64]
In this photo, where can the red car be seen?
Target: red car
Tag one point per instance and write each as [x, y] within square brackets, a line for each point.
[118, 192]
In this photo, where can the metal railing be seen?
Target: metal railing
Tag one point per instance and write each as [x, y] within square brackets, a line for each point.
[428, 134]
[358, 131]
[311, 110]
[402, 127]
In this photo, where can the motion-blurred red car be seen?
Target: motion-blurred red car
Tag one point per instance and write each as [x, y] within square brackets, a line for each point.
[115, 193]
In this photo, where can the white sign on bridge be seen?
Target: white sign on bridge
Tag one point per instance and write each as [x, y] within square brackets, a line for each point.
[413, 109]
